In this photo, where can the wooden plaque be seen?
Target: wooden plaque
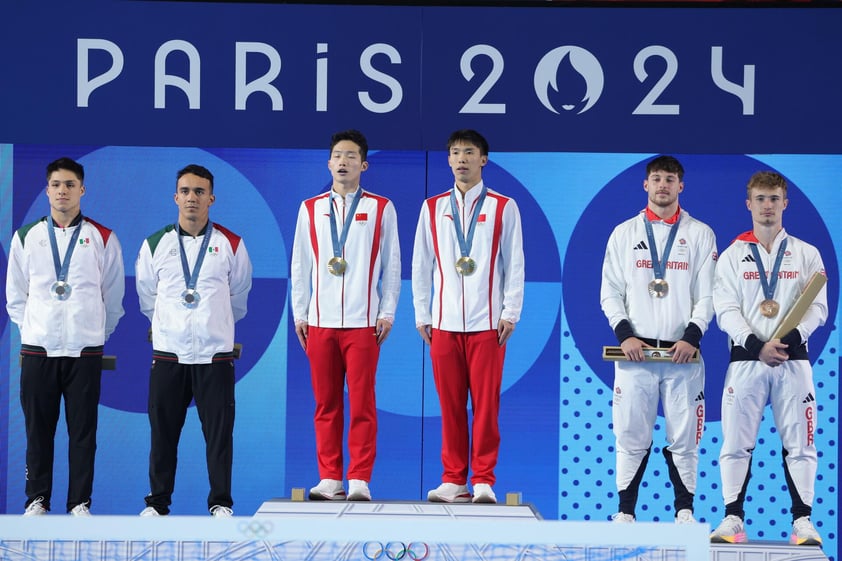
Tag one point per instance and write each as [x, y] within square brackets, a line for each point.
[650, 354]
[796, 313]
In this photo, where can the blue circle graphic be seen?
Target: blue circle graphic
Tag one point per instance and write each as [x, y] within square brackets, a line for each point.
[715, 194]
[130, 190]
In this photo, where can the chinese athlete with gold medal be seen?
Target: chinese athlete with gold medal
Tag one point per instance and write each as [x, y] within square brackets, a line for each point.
[346, 278]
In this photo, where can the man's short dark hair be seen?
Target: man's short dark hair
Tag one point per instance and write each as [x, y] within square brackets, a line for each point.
[69, 165]
[667, 164]
[469, 136]
[354, 136]
[196, 169]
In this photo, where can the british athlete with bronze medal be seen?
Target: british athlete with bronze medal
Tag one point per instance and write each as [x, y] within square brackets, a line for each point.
[758, 280]
[657, 282]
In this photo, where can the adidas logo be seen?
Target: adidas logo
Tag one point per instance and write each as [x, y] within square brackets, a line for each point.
[641, 245]
[809, 398]
[748, 259]
[701, 396]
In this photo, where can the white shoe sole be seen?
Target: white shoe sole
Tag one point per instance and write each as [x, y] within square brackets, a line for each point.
[315, 496]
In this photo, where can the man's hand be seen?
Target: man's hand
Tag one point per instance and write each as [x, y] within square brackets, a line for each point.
[382, 330]
[504, 331]
[633, 349]
[773, 353]
[426, 332]
[301, 331]
[682, 352]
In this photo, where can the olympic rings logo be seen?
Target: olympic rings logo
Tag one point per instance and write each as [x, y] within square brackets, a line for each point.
[396, 551]
[256, 528]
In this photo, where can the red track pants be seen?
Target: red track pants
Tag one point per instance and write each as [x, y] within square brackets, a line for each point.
[336, 355]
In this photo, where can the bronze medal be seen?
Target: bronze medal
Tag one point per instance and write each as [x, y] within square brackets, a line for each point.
[658, 288]
[466, 266]
[769, 308]
[336, 266]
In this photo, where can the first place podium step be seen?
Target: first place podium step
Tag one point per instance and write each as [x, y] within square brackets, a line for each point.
[395, 510]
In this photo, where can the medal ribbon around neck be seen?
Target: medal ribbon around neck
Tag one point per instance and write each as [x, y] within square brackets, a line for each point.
[659, 267]
[466, 244]
[337, 239]
[190, 280]
[769, 285]
[62, 267]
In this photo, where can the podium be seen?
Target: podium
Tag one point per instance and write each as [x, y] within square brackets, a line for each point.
[395, 510]
[369, 531]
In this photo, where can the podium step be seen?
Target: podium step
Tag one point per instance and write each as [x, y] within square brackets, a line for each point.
[766, 551]
[395, 510]
[381, 531]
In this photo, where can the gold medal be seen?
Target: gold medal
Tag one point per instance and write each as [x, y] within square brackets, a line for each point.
[466, 266]
[336, 266]
[658, 288]
[769, 308]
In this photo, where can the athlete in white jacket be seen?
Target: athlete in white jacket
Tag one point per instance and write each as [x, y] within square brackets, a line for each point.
[758, 280]
[64, 291]
[657, 280]
[193, 280]
[346, 278]
[467, 287]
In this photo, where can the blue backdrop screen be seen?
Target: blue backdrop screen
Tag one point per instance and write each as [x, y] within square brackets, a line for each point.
[574, 103]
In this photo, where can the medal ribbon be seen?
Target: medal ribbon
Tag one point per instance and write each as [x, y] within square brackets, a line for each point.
[337, 239]
[659, 267]
[62, 268]
[466, 244]
[191, 279]
[769, 285]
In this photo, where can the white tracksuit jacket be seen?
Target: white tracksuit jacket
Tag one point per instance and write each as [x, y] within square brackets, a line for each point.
[495, 290]
[194, 335]
[88, 317]
[371, 250]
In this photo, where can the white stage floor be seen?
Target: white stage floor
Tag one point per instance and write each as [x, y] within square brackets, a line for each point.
[384, 531]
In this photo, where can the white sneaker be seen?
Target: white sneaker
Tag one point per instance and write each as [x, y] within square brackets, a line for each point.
[685, 516]
[328, 490]
[449, 493]
[35, 508]
[730, 530]
[622, 518]
[80, 510]
[803, 533]
[149, 511]
[483, 493]
[219, 511]
[358, 490]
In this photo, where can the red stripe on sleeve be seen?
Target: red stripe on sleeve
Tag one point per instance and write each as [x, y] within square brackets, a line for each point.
[495, 250]
[233, 238]
[432, 203]
[375, 246]
[103, 231]
[310, 205]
